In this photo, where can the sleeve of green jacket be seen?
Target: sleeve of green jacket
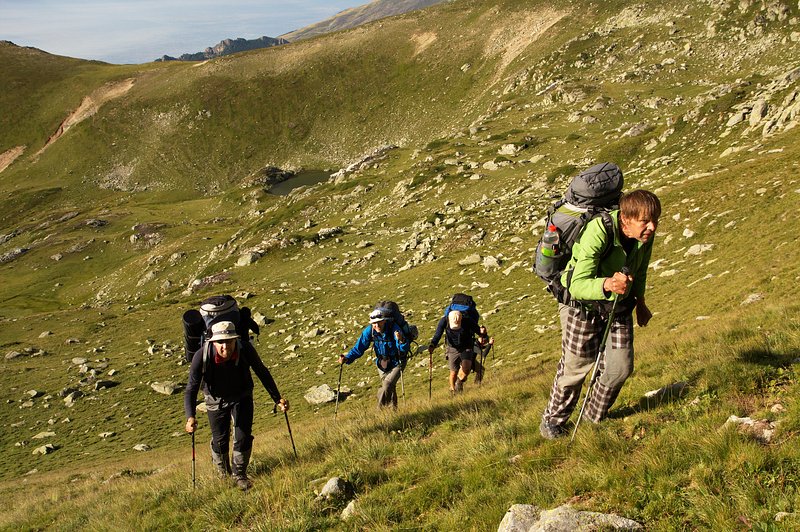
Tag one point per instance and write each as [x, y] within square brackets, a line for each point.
[590, 268]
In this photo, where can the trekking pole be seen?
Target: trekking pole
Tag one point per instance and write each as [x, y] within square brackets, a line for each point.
[430, 374]
[194, 478]
[338, 386]
[626, 271]
[403, 387]
[291, 438]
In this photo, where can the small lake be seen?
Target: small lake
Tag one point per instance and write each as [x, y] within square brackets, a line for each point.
[304, 178]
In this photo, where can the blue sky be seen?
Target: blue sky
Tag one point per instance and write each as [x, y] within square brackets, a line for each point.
[137, 31]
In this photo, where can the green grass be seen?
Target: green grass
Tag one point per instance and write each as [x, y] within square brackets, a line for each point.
[190, 134]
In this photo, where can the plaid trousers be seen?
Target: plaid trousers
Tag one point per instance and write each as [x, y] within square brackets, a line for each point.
[580, 342]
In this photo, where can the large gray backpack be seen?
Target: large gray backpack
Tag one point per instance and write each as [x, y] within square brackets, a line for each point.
[592, 193]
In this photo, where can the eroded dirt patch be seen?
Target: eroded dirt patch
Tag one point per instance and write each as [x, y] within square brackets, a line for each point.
[422, 41]
[9, 156]
[511, 40]
[89, 106]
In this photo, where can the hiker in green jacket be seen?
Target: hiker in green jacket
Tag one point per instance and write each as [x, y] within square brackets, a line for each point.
[594, 277]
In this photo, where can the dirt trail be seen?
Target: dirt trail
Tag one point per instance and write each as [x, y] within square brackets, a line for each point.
[89, 106]
[9, 156]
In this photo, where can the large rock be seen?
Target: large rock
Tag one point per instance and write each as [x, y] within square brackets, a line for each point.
[528, 518]
[519, 518]
[317, 395]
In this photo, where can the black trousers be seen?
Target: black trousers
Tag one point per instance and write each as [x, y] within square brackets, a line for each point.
[219, 419]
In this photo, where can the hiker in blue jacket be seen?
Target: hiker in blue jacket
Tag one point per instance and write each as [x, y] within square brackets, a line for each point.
[391, 350]
[223, 366]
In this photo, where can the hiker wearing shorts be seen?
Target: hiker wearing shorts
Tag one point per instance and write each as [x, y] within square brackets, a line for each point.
[224, 369]
[459, 331]
[391, 350]
[593, 277]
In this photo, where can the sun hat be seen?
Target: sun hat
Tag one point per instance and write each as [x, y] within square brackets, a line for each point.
[224, 330]
[376, 315]
[454, 319]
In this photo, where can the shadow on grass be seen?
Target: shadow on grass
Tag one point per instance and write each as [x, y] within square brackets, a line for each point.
[767, 357]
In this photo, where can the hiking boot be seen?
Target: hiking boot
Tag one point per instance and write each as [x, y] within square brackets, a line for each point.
[459, 386]
[551, 432]
[243, 483]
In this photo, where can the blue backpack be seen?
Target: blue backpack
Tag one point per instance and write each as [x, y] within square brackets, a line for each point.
[464, 304]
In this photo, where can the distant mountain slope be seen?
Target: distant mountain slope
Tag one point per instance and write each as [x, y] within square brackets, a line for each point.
[227, 47]
[350, 18]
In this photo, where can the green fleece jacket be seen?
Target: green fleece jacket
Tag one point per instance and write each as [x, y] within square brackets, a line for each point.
[589, 268]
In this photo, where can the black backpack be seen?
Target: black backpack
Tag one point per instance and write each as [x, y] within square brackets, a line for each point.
[464, 304]
[592, 193]
[197, 323]
[392, 309]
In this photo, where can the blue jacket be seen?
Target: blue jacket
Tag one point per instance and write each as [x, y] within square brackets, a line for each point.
[385, 345]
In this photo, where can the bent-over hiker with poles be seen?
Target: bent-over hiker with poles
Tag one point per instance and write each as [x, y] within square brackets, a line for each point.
[391, 352]
[483, 344]
[595, 280]
[224, 369]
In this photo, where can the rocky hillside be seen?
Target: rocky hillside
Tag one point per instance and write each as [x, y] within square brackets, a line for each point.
[132, 192]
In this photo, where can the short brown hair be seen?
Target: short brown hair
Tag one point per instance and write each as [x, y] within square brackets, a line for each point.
[640, 205]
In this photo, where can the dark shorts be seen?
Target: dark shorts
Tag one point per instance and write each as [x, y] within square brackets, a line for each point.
[455, 357]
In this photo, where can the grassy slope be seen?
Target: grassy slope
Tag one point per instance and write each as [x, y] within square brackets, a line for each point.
[351, 92]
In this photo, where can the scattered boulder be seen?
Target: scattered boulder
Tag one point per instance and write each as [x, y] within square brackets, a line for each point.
[167, 387]
[69, 400]
[528, 518]
[43, 435]
[665, 394]
[491, 263]
[317, 395]
[698, 249]
[78, 361]
[105, 435]
[336, 489]
[349, 511]
[248, 258]
[519, 518]
[34, 393]
[13, 354]
[141, 447]
[470, 259]
[752, 298]
[45, 449]
[762, 430]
